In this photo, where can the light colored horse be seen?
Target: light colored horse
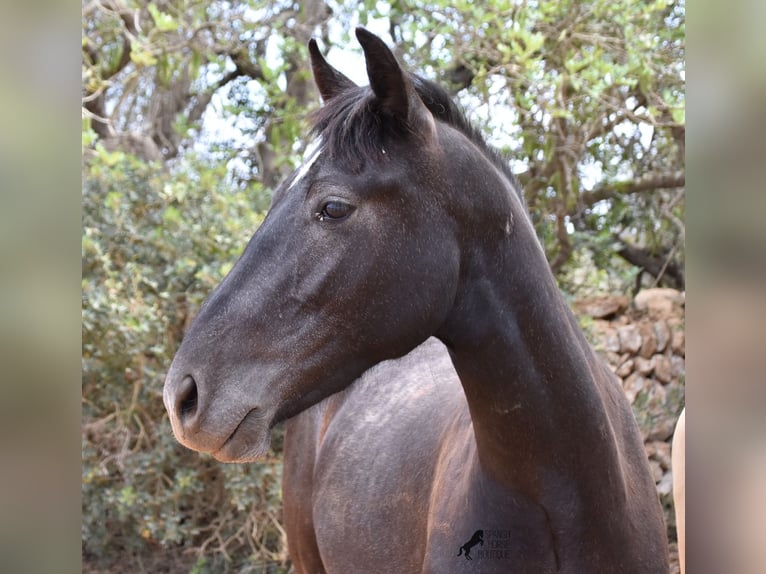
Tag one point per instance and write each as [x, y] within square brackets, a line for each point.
[678, 462]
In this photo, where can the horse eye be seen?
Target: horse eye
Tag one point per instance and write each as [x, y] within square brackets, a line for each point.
[334, 210]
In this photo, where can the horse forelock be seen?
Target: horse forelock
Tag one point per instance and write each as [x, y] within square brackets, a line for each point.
[351, 127]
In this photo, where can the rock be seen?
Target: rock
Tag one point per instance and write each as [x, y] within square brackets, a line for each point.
[611, 341]
[677, 367]
[644, 366]
[648, 340]
[656, 470]
[676, 391]
[630, 339]
[656, 399]
[633, 385]
[665, 485]
[663, 370]
[661, 335]
[662, 429]
[600, 307]
[659, 451]
[678, 342]
[658, 303]
[621, 320]
[625, 369]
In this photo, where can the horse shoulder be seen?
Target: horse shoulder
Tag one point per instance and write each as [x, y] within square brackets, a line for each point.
[375, 465]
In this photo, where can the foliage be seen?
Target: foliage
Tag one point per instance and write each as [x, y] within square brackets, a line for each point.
[193, 112]
[154, 243]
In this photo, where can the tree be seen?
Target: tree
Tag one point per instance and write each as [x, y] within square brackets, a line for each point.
[151, 73]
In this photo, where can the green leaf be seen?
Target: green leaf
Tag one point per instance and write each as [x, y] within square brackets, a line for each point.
[171, 215]
[113, 200]
[163, 21]
[534, 42]
[142, 57]
[88, 135]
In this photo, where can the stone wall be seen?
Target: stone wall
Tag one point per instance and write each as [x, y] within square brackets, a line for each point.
[643, 342]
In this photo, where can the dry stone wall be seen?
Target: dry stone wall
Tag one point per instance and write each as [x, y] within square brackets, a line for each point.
[643, 342]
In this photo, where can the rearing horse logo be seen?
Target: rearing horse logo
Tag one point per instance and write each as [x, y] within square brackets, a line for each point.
[477, 538]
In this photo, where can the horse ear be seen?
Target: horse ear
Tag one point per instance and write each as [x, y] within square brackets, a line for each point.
[329, 81]
[390, 84]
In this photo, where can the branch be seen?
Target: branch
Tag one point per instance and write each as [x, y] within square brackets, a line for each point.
[667, 211]
[565, 245]
[95, 109]
[196, 112]
[94, 101]
[659, 266]
[651, 182]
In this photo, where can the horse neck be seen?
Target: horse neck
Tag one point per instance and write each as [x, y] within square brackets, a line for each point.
[535, 390]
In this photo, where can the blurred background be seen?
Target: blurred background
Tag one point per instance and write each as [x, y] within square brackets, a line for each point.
[193, 112]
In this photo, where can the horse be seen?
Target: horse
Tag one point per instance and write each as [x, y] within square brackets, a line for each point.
[396, 309]
[678, 465]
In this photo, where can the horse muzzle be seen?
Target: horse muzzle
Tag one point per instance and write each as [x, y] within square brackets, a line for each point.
[230, 432]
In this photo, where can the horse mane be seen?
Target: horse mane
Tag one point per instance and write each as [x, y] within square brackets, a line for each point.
[351, 126]
[443, 108]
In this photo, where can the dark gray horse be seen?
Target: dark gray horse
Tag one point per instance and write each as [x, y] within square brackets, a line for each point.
[401, 225]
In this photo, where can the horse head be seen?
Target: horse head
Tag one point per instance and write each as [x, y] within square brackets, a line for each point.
[358, 260]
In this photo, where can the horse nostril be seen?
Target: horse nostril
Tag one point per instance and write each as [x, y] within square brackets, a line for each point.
[186, 398]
